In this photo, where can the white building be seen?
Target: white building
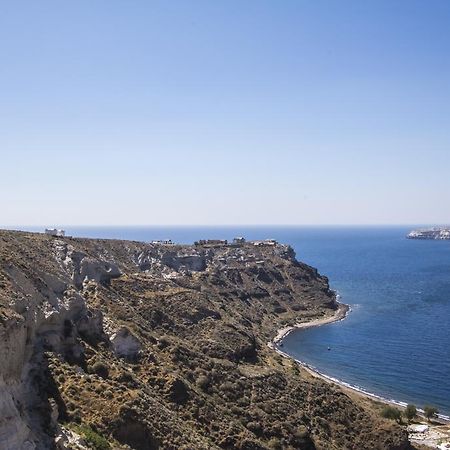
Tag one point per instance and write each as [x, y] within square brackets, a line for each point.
[55, 232]
[266, 242]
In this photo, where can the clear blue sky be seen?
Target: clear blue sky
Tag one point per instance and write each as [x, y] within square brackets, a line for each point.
[224, 112]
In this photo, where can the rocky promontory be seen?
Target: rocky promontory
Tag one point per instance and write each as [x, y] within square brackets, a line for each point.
[110, 344]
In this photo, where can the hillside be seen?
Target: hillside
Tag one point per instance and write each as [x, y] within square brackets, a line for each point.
[120, 344]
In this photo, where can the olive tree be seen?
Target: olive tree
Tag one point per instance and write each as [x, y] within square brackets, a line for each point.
[389, 412]
[410, 412]
[430, 412]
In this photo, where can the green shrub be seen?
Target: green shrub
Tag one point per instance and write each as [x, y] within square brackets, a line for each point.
[389, 412]
[61, 378]
[430, 412]
[410, 412]
[302, 432]
[95, 440]
[100, 369]
[108, 393]
[125, 377]
[294, 368]
[227, 386]
[255, 427]
[203, 382]
[275, 444]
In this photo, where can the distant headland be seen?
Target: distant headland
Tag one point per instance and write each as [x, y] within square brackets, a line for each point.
[437, 233]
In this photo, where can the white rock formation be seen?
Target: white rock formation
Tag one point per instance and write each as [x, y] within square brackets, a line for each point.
[44, 315]
[15, 434]
[125, 344]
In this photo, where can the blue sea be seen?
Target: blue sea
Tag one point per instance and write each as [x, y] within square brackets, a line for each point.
[395, 343]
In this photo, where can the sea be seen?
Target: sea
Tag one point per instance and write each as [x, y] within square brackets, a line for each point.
[395, 342]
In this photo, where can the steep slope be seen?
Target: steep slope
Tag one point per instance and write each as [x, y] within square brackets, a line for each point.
[143, 346]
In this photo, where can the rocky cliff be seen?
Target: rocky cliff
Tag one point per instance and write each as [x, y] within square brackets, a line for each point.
[119, 344]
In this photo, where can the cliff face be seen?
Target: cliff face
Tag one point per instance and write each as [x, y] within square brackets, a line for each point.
[131, 345]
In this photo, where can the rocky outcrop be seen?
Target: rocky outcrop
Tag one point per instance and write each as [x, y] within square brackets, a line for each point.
[125, 344]
[83, 267]
[14, 430]
[184, 260]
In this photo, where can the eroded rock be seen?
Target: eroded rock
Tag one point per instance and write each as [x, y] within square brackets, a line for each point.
[125, 344]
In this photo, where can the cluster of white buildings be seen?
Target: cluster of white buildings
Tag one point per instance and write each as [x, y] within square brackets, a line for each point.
[265, 242]
[237, 241]
[430, 233]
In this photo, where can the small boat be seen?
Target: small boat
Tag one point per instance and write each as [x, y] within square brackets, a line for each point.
[329, 348]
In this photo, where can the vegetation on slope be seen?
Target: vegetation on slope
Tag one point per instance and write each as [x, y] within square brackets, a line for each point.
[166, 347]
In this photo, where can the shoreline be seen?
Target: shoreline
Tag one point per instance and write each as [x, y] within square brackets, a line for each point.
[340, 314]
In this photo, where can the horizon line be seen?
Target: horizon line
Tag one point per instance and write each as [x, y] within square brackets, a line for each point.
[187, 225]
